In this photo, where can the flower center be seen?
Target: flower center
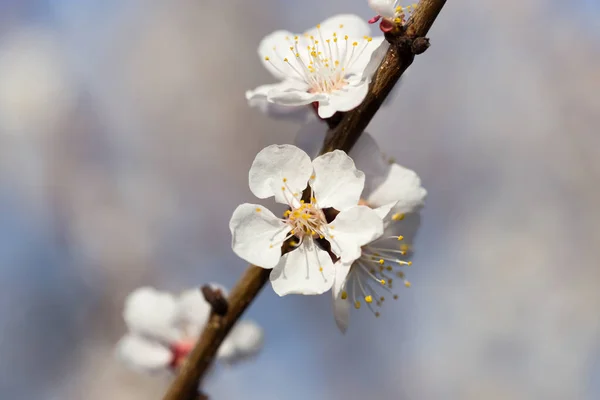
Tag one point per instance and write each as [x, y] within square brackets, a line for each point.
[379, 264]
[323, 61]
[307, 220]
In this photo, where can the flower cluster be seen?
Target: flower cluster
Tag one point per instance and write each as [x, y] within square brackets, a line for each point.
[350, 218]
[163, 329]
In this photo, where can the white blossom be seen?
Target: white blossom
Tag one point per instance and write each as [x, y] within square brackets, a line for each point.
[163, 329]
[329, 66]
[396, 194]
[284, 172]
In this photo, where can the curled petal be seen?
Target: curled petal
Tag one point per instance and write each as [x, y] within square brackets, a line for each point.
[152, 313]
[257, 98]
[282, 171]
[305, 270]
[337, 182]
[294, 97]
[352, 229]
[341, 307]
[257, 235]
[142, 354]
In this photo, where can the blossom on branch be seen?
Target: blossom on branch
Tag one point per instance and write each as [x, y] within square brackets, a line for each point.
[390, 13]
[329, 66]
[163, 329]
[396, 194]
[332, 186]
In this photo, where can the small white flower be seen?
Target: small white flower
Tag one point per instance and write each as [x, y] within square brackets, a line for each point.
[330, 66]
[283, 172]
[393, 192]
[163, 330]
[391, 12]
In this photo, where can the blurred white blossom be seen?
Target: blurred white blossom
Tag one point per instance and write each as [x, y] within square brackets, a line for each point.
[164, 328]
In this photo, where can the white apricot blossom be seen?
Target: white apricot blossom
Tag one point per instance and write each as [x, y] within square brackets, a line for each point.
[284, 172]
[163, 329]
[396, 194]
[329, 66]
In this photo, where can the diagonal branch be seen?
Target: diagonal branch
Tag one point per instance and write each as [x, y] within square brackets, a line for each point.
[343, 134]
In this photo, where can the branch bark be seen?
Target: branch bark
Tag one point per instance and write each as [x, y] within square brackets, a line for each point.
[344, 131]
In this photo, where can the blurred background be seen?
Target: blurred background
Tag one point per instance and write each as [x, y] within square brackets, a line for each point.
[125, 143]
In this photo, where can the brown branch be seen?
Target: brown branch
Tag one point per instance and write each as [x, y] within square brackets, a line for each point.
[345, 129]
[185, 385]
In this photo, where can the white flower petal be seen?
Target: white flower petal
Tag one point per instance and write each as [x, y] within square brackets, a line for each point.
[227, 350]
[385, 8]
[257, 98]
[384, 211]
[248, 337]
[337, 182]
[280, 40]
[299, 272]
[407, 228]
[341, 274]
[341, 308]
[352, 229]
[401, 185]
[142, 354]
[193, 310]
[152, 313]
[294, 97]
[275, 163]
[368, 63]
[351, 25]
[244, 340]
[257, 235]
[310, 137]
[345, 99]
[341, 313]
[370, 160]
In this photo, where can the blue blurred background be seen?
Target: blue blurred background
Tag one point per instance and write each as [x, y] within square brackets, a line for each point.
[125, 143]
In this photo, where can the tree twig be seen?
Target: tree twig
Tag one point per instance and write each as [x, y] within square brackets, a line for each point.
[343, 134]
